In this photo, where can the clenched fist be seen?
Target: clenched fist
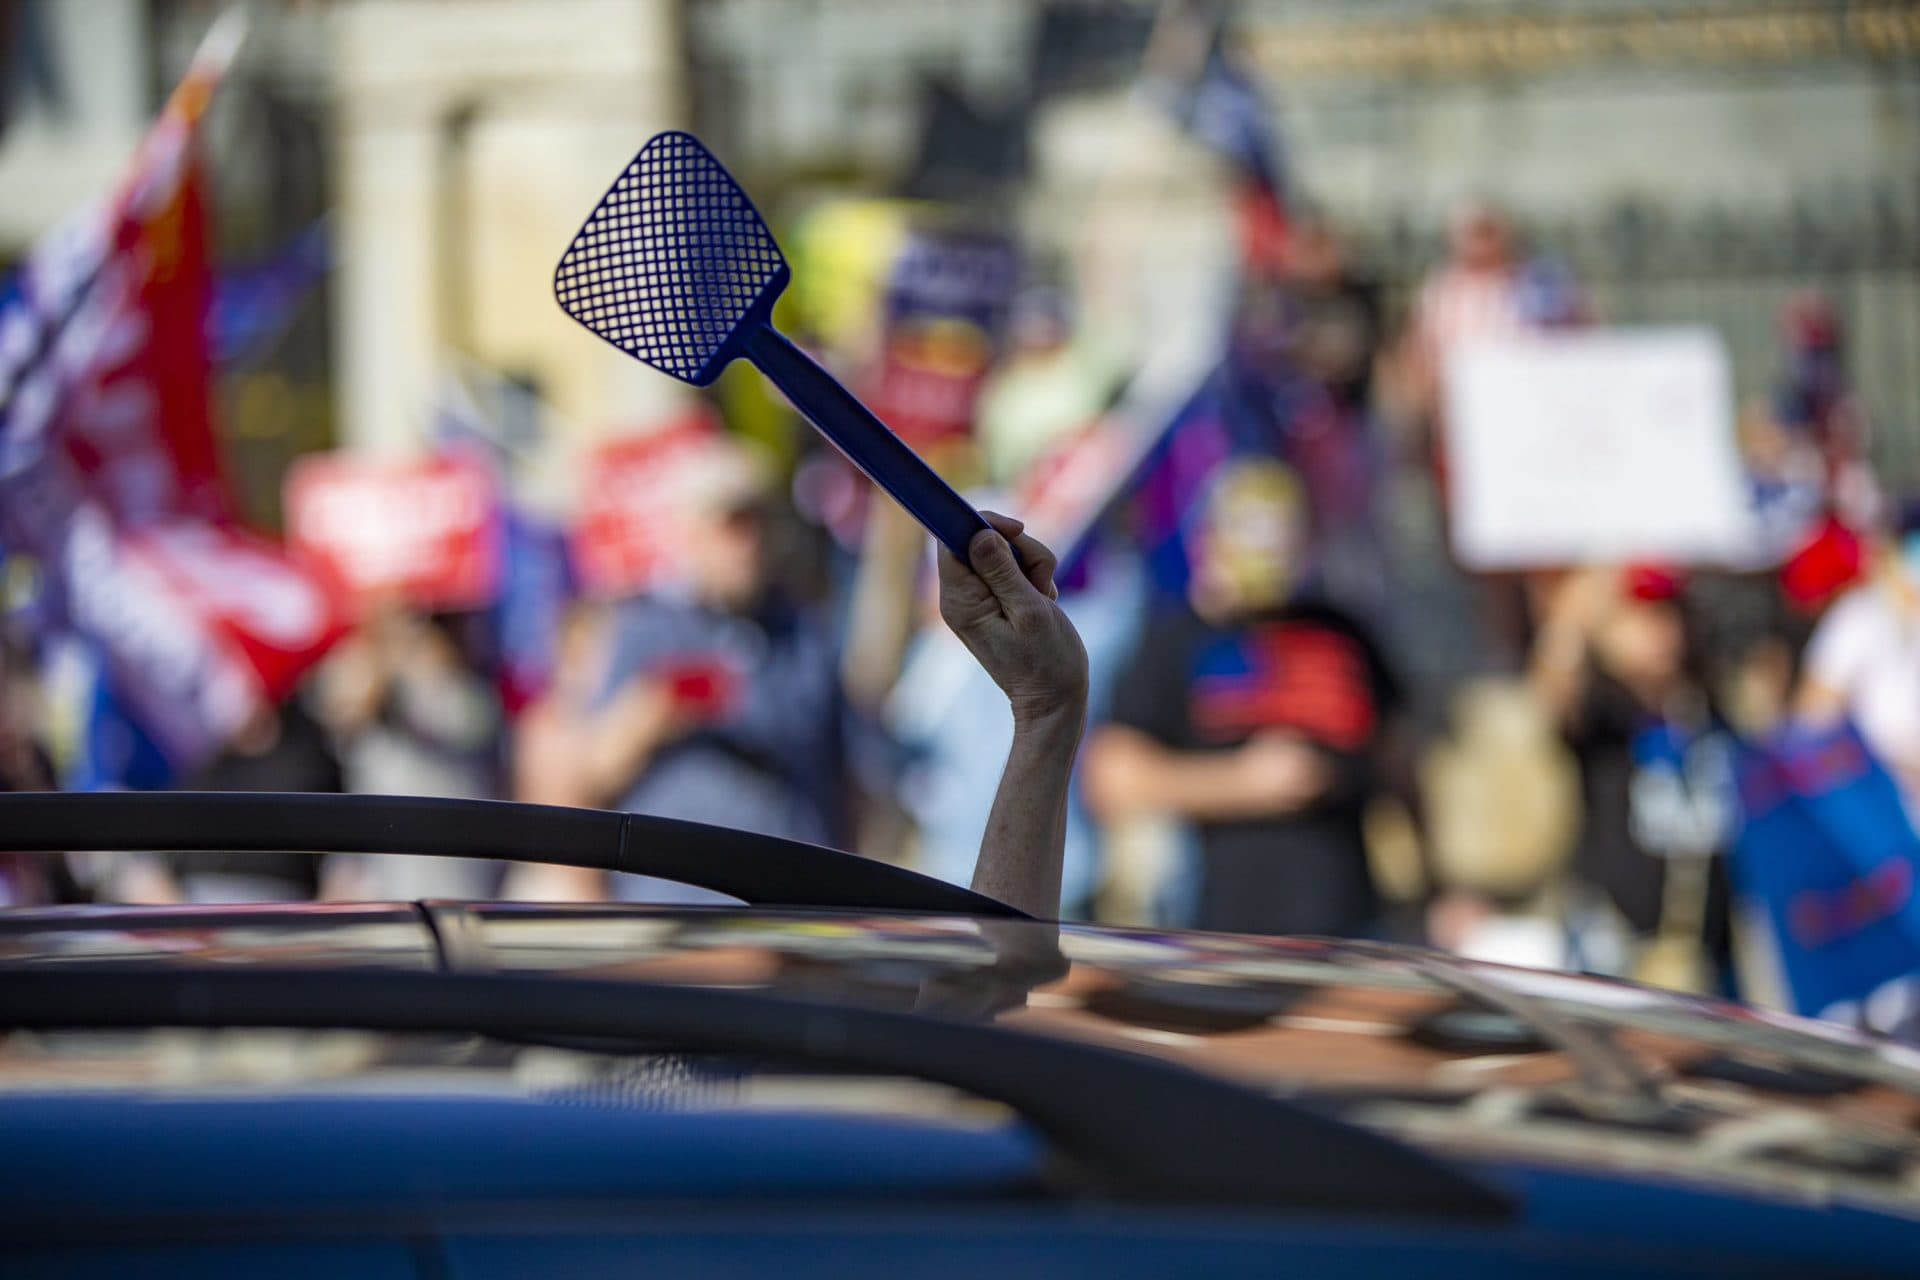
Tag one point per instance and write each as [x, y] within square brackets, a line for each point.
[1009, 621]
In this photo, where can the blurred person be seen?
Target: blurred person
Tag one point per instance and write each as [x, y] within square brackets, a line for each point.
[1501, 806]
[25, 879]
[277, 748]
[1863, 660]
[1334, 340]
[1472, 295]
[1616, 664]
[412, 717]
[1751, 637]
[1816, 401]
[721, 702]
[1486, 288]
[553, 742]
[1787, 480]
[1340, 320]
[1255, 715]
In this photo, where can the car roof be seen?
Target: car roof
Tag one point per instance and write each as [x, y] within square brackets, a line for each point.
[1220, 998]
[1472, 1058]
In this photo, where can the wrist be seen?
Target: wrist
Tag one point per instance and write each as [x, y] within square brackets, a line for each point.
[1562, 646]
[1051, 716]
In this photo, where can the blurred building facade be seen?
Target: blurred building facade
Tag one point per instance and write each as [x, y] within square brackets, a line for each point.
[470, 142]
[77, 95]
[1694, 161]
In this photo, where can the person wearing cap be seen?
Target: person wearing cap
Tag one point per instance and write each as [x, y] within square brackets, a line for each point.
[1614, 662]
[721, 702]
[721, 699]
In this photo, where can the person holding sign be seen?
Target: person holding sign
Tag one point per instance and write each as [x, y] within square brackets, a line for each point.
[1615, 664]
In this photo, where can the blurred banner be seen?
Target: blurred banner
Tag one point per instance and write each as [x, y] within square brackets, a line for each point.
[110, 474]
[426, 532]
[945, 308]
[1595, 447]
[630, 532]
[1827, 856]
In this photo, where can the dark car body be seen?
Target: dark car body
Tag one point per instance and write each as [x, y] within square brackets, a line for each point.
[1631, 1131]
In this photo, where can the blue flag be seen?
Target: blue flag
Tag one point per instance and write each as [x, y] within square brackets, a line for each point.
[254, 305]
[1828, 854]
[536, 585]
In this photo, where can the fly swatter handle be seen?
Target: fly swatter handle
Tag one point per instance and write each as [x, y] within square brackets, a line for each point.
[866, 440]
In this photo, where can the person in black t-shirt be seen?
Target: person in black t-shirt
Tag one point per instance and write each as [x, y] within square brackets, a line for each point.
[1617, 663]
[1255, 716]
[278, 748]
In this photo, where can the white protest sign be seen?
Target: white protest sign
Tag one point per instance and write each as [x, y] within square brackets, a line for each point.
[1595, 446]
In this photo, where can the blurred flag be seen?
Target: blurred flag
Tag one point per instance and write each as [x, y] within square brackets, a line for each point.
[1827, 856]
[112, 752]
[1194, 75]
[103, 354]
[1173, 486]
[536, 585]
[1161, 461]
[486, 418]
[254, 305]
[110, 475]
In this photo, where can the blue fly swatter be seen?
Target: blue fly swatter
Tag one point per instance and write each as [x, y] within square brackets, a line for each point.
[675, 267]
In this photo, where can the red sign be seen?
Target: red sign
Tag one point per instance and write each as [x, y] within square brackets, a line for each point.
[427, 531]
[630, 534]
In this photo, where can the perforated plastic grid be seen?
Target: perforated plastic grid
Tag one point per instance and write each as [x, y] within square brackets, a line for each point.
[671, 260]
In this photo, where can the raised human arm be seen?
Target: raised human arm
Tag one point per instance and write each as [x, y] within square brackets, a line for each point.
[1012, 624]
[1560, 665]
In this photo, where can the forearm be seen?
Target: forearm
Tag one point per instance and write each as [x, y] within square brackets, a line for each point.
[1819, 704]
[881, 619]
[1129, 775]
[352, 685]
[1557, 669]
[622, 739]
[1025, 841]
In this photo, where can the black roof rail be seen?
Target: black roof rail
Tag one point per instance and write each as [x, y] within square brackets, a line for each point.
[763, 870]
[1134, 1126]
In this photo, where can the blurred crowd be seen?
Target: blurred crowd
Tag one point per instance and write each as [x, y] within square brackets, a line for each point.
[1308, 718]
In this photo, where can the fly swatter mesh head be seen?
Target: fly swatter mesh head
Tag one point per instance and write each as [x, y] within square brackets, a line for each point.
[671, 260]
